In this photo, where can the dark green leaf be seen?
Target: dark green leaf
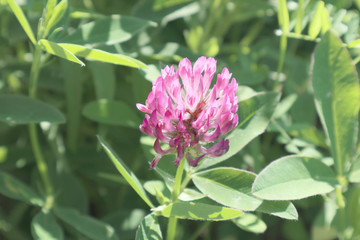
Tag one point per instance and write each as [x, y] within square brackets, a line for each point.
[108, 30]
[44, 226]
[111, 112]
[13, 188]
[88, 226]
[17, 109]
[126, 172]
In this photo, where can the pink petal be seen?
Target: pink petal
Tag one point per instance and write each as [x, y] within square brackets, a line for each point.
[180, 154]
[160, 135]
[214, 136]
[218, 149]
[155, 161]
[193, 162]
[159, 150]
[143, 108]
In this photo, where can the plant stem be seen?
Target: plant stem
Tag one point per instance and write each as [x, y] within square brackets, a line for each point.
[174, 197]
[40, 161]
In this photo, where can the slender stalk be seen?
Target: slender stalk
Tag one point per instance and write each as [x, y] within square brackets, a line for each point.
[341, 208]
[40, 161]
[174, 197]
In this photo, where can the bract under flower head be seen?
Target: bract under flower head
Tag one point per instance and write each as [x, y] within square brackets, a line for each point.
[182, 111]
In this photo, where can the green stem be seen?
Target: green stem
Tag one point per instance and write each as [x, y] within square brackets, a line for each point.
[341, 209]
[174, 197]
[40, 161]
[283, 46]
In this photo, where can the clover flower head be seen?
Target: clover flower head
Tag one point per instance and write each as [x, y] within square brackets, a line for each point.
[187, 115]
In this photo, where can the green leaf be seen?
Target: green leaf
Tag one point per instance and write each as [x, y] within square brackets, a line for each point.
[283, 16]
[104, 79]
[232, 187]
[147, 10]
[149, 229]
[111, 112]
[22, 20]
[86, 225]
[250, 222]
[254, 116]
[299, 17]
[125, 172]
[56, 15]
[199, 211]
[100, 55]
[294, 177]
[17, 109]
[228, 186]
[337, 94]
[70, 192]
[109, 30]
[325, 21]
[354, 44]
[354, 175]
[316, 23]
[44, 226]
[158, 189]
[73, 86]
[13, 188]
[58, 50]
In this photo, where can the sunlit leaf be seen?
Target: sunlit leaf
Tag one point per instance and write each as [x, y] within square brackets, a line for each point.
[57, 50]
[149, 229]
[22, 20]
[294, 177]
[199, 211]
[232, 187]
[100, 55]
[316, 22]
[337, 94]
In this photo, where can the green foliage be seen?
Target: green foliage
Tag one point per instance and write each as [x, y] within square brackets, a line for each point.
[125, 172]
[13, 188]
[23, 110]
[44, 226]
[73, 70]
[294, 177]
[111, 112]
[90, 227]
[149, 229]
[336, 88]
[199, 211]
